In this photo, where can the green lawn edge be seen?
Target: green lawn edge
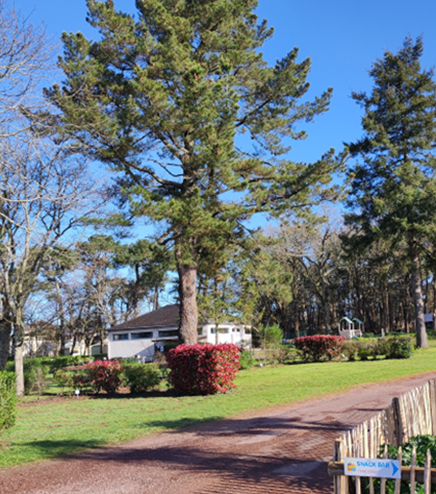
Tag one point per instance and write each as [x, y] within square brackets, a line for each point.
[47, 429]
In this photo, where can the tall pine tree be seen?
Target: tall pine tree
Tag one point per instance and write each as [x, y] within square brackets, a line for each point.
[162, 96]
[393, 194]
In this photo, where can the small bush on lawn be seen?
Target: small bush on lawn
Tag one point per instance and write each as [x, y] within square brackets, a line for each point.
[105, 374]
[8, 400]
[319, 347]
[246, 360]
[350, 348]
[399, 347]
[203, 369]
[142, 377]
[371, 347]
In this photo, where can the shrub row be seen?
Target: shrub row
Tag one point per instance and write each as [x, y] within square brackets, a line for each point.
[318, 347]
[390, 346]
[109, 375]
[8, 400]
[321, 347]
[203, 369]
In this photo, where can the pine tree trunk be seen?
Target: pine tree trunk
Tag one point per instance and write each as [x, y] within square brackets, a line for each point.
[421, 333]
[188, 322]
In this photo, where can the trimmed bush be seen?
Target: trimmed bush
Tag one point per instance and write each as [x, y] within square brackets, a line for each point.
[371, 347]
[319, 347]
[142, 377]
[105, 374]
[350, 348]
[399, 347]
[203, 369]
[8, 400]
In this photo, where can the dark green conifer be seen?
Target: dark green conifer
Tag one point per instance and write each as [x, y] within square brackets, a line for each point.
[393, 196]
[162, 96]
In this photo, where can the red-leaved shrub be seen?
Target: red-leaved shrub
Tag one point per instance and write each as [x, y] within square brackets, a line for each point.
[203, 369]
[319, 347]
[104, 374]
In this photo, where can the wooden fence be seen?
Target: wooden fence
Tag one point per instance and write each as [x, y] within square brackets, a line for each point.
[412, 414]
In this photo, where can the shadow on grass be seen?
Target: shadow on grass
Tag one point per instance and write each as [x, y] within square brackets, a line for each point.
[56, 449]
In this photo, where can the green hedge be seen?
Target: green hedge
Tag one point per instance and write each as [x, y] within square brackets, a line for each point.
[8, 400]
[142, 377]
[392, 347]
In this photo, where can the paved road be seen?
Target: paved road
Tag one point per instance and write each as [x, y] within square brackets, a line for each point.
[281, 451]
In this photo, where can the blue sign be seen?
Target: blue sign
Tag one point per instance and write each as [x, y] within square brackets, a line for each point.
[372, 467]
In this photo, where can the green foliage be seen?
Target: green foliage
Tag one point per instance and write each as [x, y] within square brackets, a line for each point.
[393, 347]
[35, 376]
[161, 98]
[393, 193]
[246, 360]
[142, 377]
[270, 336]
[422, 443]
[8, 400]
[370, 347]
[399, 347]
[350, 348]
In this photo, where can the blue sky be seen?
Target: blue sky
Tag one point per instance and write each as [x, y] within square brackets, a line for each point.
[342, 38]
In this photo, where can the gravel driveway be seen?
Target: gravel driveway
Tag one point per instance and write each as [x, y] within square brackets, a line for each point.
[275, 451]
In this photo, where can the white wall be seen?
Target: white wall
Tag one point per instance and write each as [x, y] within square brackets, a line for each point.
[131, 348]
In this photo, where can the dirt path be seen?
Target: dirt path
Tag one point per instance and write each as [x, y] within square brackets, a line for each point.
[281, 451]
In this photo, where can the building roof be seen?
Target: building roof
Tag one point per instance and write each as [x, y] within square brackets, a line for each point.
[167, 316]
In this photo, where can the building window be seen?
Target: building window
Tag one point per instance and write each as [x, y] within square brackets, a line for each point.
[220, 330]
[200, 331]
[119, 337]
[247, 331]
[142, 335]
[164, 334]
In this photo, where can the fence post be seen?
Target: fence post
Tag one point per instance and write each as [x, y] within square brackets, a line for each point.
[433, 405]
[340, 481]
[412, 470]
[398, 481]
[427, 473]
[398, 421]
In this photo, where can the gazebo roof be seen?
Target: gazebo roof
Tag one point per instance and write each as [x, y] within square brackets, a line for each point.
[357, 320]
[349, 321]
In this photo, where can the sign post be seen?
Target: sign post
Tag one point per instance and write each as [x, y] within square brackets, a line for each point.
[372, 467]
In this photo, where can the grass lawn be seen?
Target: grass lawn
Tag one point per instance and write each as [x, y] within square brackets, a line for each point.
[49, 428]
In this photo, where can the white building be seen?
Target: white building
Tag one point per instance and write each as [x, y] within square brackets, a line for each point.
[141, 337]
